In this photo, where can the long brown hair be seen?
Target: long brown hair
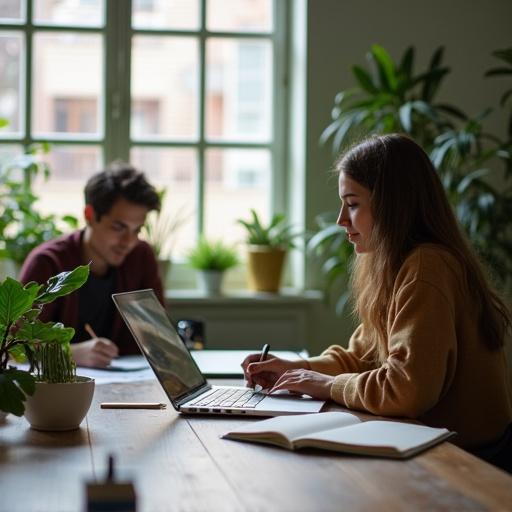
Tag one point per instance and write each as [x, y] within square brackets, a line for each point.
[409, 207]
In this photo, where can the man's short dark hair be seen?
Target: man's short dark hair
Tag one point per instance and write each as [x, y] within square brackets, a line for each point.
[119, 181]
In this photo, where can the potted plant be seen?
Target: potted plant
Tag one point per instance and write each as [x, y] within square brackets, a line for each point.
[211, 259]
[22, 227]
[159, 231]
[266, 249]
[392, 97]
[61, 398]
[22, 333]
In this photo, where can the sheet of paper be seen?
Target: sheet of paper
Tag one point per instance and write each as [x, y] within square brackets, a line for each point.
[218, 363]
[115, 376]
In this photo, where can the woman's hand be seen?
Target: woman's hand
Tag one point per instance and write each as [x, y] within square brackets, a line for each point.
[318, 385]
[267, 373]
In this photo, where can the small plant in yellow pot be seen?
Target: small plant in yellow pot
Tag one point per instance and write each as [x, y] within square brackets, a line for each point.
[266, 250]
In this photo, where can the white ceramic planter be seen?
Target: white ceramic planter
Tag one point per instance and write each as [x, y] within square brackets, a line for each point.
[59, 406]
[210, 281]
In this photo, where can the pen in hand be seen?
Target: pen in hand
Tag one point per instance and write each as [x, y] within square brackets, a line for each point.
[263, 357]
[90, 331]
[264, 352]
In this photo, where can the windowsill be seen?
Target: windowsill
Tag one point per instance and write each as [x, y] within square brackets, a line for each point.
[284, 297]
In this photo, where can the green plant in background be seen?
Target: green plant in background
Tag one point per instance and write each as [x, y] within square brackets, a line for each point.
[277, 234]
[504, 71]
[212, 255]
[391, 97]
[160, 229]
[22, 227]
[21, 332]
[330, 244]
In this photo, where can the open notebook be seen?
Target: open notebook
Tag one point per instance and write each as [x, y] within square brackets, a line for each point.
[342, 432]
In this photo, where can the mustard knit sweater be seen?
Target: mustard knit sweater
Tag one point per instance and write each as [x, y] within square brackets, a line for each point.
[437, 368]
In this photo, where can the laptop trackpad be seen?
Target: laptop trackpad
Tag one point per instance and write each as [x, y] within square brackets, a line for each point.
[287, 402]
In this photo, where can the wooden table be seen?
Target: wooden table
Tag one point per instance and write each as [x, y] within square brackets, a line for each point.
[180, 463]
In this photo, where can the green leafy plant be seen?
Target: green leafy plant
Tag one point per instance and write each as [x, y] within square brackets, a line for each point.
[22, 333]
[22, 227]
[160, 229]
[391, 97]
[212, 255]
[54, 363]
[277, 234]
[504, 71]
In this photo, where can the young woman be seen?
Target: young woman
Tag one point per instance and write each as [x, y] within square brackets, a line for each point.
[430, 342]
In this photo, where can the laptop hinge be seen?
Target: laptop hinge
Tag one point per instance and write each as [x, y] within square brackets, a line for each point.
[192, 395]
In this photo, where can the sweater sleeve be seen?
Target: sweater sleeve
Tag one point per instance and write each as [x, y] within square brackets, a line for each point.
[40, 267]
[421, 348]
[335, 359]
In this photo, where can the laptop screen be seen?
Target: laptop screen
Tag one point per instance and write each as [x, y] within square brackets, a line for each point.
[160, 343]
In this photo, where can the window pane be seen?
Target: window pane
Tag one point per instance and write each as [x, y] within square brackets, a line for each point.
[8, 152]
[174, 169]
[236, 180]
[165, 14]
[239, 89]
[164, 87]
[12, 11]
[239, 15]
[11, 49]
[68, 72]
[70, 166]
[88, 13]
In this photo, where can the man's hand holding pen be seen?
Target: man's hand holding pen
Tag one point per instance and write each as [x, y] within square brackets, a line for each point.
[97, 352]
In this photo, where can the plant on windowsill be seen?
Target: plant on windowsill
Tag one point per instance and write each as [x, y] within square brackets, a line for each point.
[391, 97]
[160, 232]
[211, 259]
[22, 227]
[266, 248]
[22, 333]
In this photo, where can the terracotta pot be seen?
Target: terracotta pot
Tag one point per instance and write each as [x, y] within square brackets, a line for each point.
[60, 406]
[265, 267]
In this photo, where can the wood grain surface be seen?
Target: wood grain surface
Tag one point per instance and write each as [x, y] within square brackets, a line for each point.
[180, 463]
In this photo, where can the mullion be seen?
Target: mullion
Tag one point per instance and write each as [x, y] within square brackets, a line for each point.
[29, 37]
[201, 159]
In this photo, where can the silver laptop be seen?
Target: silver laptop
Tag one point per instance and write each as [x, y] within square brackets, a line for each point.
[179, 375]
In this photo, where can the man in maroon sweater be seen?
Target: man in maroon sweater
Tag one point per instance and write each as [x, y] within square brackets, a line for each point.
[117, 201]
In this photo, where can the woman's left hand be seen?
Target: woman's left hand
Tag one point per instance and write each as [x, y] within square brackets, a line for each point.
[308, 382]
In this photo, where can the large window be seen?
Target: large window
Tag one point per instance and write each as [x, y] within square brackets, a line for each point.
[187, 90]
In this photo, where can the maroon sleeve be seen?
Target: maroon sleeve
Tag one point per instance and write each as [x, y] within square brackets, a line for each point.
[39, 267]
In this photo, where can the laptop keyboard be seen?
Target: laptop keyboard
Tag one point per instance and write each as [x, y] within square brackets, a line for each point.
[242, 398]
